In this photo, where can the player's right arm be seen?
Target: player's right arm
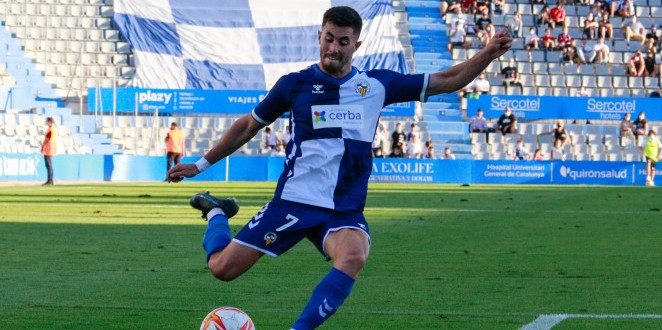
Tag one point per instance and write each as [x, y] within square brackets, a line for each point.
[241, 131]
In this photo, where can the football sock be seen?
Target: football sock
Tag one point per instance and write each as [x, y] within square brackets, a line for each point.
[217, 236]
[327, 297]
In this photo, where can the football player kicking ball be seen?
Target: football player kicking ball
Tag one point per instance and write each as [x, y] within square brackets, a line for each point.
[334, 109]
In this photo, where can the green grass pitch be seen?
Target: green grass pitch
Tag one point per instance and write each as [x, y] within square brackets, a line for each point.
[129, 256]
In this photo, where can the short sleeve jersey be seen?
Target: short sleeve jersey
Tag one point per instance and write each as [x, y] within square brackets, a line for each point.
[333, 122]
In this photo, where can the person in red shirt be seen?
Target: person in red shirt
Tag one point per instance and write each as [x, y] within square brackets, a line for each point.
[548, 41]
[48, 148]
[558, 15]
[636, 65]
[563, 39]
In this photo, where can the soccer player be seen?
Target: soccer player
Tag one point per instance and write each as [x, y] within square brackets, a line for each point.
[48, 148]
[652, 153]
[174, 145]
[322, 191]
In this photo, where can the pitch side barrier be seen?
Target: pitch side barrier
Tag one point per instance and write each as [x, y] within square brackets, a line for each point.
[122, 168]
[193, 101]
[562, 107]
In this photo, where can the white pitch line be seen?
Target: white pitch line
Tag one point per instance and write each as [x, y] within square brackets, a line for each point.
[546, 322]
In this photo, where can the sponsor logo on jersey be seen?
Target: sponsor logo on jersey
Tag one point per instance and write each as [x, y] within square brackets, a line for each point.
[270, 237]
[318, 89]
[337, 115]
[362, 87]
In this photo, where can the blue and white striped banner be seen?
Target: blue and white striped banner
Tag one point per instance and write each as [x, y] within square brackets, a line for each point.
[243, 44]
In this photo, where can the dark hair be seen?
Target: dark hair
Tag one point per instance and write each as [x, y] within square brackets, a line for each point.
[344, 16]
[173, 124]
[50, 120]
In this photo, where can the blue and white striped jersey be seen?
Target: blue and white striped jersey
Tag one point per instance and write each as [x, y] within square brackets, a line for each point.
[332, 125]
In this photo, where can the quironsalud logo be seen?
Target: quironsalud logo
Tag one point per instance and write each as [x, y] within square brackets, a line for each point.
[319, 116]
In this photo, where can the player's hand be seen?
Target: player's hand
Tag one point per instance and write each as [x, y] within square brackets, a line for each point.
[181, 171]
[500, 43]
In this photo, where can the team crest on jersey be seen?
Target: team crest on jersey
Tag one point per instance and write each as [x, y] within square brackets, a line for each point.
[318, 89]
[269, 238]
[362, 87]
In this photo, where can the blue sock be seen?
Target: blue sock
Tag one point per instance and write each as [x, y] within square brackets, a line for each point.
[327, 297]
[217, 236]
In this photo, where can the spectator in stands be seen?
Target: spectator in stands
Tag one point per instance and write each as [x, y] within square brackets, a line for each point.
[582, 92]
[496, 6]
[558, 15]
[520, 152]
[468, 89]
[448, 154]
[537, 155]
[175, 145]
[651, 41]
[378, 141]
[602, 6]
[414, 147]
[514, 24]
[413, 131]
[544, 17]
[635, 30]
[557, 152]
[606, 28]
[640, 125]
[48, 148]
[278, 150]
[570, 55]
[585, 52]
[269, 140]
[511, 76]
[468, 7]
[548, 40]
[430, 153]
[478, 124]
[602, 51]
[486, 36]
[450, 6]
[650, 65]
[559, 133]
[507, 124]
[398, 138]
[563, 39]
[622, 8]
[651, 150]
[531, 41]
[481, 85]
[591, 26]
[458, 36]
[635, 66]
[396, 152]
[285, 136]
[626, 129]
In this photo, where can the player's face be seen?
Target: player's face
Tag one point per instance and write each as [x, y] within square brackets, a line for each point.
[337, 45]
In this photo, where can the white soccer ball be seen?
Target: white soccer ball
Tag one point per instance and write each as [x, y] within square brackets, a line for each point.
[227, 318]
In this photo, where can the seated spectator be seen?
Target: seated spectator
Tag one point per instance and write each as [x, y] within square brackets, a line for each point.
[559, 133]
[413, 131]
[606, 28]
[482, 6]
[531, 41]
[514, 25]
[507, 124]
[448, 154]
[398, 138]
[622, 8]
[468, 89]
[650, 65]
[285, 136]
[570, 55]
[414, 147]
[626, 129]
[544, 17]
[278, 150]
[467, 7]
[430, 153]
[452, 6]
[486, 36]
[396, 152]
[591, 26]
[458, 36]
[478, 124]
[651, 41]
[582, 92]
[511, 76]
[520, 152]
[563, 39]
[635, 30]
[602, 51]
[481, 85]
[558, 15]
[548, 40]
[602, 6]
[585, 52]
[557, 152]
[635, 66]
[537, 155]
[640, 125]
[269, 140]
[378, 142]
[497, 6]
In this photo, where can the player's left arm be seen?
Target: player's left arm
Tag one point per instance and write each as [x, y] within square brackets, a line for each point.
[460, 75]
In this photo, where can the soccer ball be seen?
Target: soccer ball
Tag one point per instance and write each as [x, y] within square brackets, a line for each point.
[227, 318]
